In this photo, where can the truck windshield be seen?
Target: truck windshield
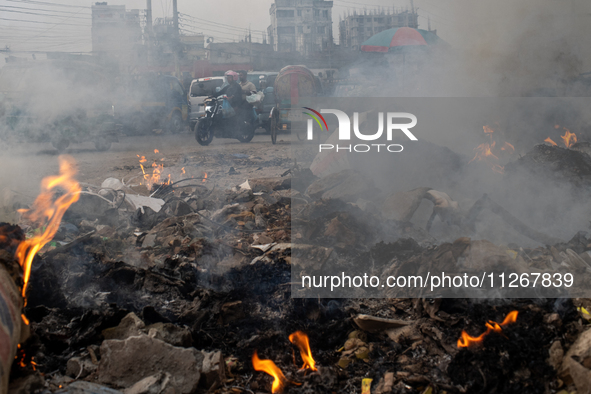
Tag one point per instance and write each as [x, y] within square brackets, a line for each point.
[205, 88]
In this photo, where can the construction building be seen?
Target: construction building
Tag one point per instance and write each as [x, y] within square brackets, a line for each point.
[303, 26]
[116, 32]
[355, 28]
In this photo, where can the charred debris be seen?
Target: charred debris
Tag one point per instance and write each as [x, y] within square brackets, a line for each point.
[175, 290]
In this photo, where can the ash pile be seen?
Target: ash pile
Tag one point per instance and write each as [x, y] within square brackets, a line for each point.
[190, 290]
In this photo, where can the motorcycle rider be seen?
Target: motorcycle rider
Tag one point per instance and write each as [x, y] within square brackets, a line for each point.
[233, 90]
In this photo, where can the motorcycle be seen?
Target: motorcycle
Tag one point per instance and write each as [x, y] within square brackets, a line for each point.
[218, 123]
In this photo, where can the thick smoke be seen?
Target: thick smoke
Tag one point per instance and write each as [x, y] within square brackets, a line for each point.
[520, 63]
[512, 48]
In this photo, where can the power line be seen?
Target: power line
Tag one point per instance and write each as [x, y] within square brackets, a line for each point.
[200, 25]
[60, 23]
[219, 24]
[217, 31]
[45, 23]
[48, 4]
[38, 9]
[36, 13]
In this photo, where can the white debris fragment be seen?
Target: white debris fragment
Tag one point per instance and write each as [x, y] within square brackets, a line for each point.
[137, 201]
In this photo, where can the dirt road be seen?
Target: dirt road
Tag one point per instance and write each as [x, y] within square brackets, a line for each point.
[24, 165]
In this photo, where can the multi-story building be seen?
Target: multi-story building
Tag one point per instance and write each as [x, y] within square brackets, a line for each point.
[115, 30]
[193, 46]
[356, 28]
[303, 26]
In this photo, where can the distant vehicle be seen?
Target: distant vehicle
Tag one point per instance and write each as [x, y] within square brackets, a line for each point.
[201, 89]
[266, 107]
[153, 102]
[293, 87]
[57, 101]
[254, 77]
[216, 123]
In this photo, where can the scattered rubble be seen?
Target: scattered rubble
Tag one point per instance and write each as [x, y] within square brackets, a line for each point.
[175, 296]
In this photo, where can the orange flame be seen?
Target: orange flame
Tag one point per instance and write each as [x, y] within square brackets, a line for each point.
[204, 177]
[45, 209]
[491, 326]
[487, 130]
[300, 339]
[483, 151]
[549, 140]
[568, 138]
[154, 177]
[269, 368]
[508, 147]
[21, 356]
[486, 151]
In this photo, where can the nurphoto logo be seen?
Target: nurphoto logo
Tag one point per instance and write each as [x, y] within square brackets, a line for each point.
[344, 131]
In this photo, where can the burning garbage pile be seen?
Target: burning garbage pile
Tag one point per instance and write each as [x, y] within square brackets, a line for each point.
[175, 285]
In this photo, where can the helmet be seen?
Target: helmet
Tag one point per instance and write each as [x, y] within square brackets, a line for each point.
[234, 74]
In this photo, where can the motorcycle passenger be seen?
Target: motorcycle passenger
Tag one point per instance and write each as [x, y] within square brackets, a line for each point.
[247, 86]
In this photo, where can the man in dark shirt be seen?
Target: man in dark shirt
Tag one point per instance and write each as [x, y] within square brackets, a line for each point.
[233, 90]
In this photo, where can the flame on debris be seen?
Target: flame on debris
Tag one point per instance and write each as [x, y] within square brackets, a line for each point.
[491, 326]
[48, 211]
[489, 152]
[483, 151]
[269, 368]
[21, 356]
[155, 177]
[204, 177]
[300, 339]
[568, 138]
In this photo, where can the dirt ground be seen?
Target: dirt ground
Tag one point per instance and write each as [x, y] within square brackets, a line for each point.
[26, 164]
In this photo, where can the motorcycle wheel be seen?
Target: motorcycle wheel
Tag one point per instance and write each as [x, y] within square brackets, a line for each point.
[246, 133]
[203, 132]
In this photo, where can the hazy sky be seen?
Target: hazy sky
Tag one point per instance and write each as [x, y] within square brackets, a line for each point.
[64, 25]
[486, 26]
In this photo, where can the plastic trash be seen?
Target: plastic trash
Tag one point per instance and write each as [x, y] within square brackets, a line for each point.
[255, 98]
[227, 109]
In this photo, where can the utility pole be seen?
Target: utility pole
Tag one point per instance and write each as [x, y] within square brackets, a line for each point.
[176, 40]
[250, 47]
[175, 19]
[148, 30]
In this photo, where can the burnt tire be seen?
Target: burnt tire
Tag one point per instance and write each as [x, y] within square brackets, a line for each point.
[102, 144]
[60, 144]
[203, 132]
